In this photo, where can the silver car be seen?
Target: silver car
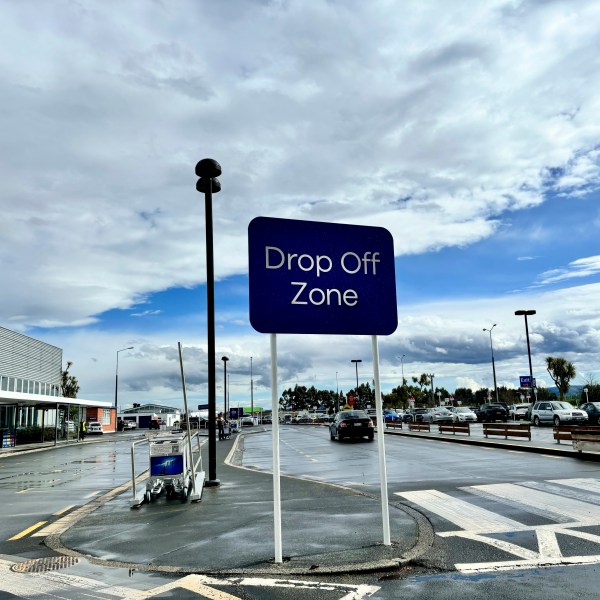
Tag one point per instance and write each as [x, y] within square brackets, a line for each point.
[557, 413]
[439, 414]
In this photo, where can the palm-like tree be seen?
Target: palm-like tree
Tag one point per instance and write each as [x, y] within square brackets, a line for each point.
[562, 372]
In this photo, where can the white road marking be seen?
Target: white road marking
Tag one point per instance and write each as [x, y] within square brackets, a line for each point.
[463, 514]
[592, 485]
[553, 506]
[54, 582]
[478, 524]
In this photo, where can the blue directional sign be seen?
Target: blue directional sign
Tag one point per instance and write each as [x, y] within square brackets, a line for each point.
[313, 277]
[525, 381]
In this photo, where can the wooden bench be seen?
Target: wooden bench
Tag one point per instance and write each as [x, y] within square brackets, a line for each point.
[507, 430]
[586, 440]
[418, 427]
[565, 432]
[394, 425]
[455, 428]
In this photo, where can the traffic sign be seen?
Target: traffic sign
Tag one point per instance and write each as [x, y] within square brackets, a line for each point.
[202, 406]
[525, 381]
[313, 277]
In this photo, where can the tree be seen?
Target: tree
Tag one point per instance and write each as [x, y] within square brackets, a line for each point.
[68, 385]
[561, 371]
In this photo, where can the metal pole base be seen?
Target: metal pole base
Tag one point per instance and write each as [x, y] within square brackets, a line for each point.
[212, 483]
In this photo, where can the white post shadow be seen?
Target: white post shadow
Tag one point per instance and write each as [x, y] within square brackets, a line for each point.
[275, 441]
[385, 514]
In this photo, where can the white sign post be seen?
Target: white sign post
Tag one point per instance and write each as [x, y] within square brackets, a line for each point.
[310, 277]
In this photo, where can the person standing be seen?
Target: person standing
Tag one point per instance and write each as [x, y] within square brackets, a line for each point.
[221, 426]
[82, 431]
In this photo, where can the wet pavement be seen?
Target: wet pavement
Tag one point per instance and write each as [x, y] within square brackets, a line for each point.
[325, 528]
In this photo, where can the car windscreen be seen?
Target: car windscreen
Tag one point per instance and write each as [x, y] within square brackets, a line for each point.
[562, 406]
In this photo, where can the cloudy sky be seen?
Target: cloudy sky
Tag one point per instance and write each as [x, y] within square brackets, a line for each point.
[468, 129]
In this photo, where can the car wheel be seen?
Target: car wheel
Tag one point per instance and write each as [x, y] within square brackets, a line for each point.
[331, 436]
[536, 421]
[557, 421]
[598, 420]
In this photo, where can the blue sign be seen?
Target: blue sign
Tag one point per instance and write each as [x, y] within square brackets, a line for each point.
[312, 277]
[525, 381]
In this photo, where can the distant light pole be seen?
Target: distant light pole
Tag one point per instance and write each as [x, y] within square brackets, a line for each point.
[403, 386]
[337, 392]
[439, 395]
[587, 398]
[527, 313]
[251, 392]
[356, 361]
[117, 379]
[493, 363]
[208, 170]
[225, 411]
[431, 376]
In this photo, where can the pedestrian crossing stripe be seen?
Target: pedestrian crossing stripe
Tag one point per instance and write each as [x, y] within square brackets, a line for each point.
[480, 525]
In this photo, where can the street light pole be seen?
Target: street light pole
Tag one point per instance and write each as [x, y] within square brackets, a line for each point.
[225, 411]
[403, 386]
[431, 376]
[117, 380]
[356, 361]
[493, 363]
[526, 313]
[208, 170]
[251, 392]
[337, 392]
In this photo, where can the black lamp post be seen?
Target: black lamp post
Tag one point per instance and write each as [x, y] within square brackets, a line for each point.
[225, 409]
[493, 363]
[208, 170]
[356, 361]
[527, 313]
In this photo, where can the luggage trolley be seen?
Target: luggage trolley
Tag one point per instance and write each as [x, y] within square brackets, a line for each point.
[169, 467]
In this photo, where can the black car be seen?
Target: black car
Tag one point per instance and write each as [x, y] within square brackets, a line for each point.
[593, 411]
[351, 424]
[414, 416]
[489, 413]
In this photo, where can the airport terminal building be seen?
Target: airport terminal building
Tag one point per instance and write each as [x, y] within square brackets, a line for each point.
[30, 391]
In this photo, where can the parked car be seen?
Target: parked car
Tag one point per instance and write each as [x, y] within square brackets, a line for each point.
[557, 412]
[94, 429]
[266, 420]
[593, 412]
[351, 424]
[391, 416]
[518, 412]
[128, 424]
[247, 422]
[414, 415]
[489, 413]
[437, 414]
[462, 414]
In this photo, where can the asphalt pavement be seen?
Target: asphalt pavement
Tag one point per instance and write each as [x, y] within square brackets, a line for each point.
[325, 528]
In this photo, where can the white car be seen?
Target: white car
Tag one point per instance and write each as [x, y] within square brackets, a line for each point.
[463, 414]
[517, 412]
[94, 428]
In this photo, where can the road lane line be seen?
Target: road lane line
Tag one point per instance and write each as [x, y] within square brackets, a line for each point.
[64, 510]
[27, 531]
[463, 514]
[558, 508]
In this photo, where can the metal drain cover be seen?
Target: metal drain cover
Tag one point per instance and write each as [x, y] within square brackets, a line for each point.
[41, 565]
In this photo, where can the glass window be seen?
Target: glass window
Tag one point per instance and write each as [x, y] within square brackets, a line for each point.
[4, 383]
[36, 387]
[106, 416]
[19, 385]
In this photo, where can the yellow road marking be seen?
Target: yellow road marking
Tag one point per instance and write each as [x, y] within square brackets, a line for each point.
[64, 510]
[27, 531]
